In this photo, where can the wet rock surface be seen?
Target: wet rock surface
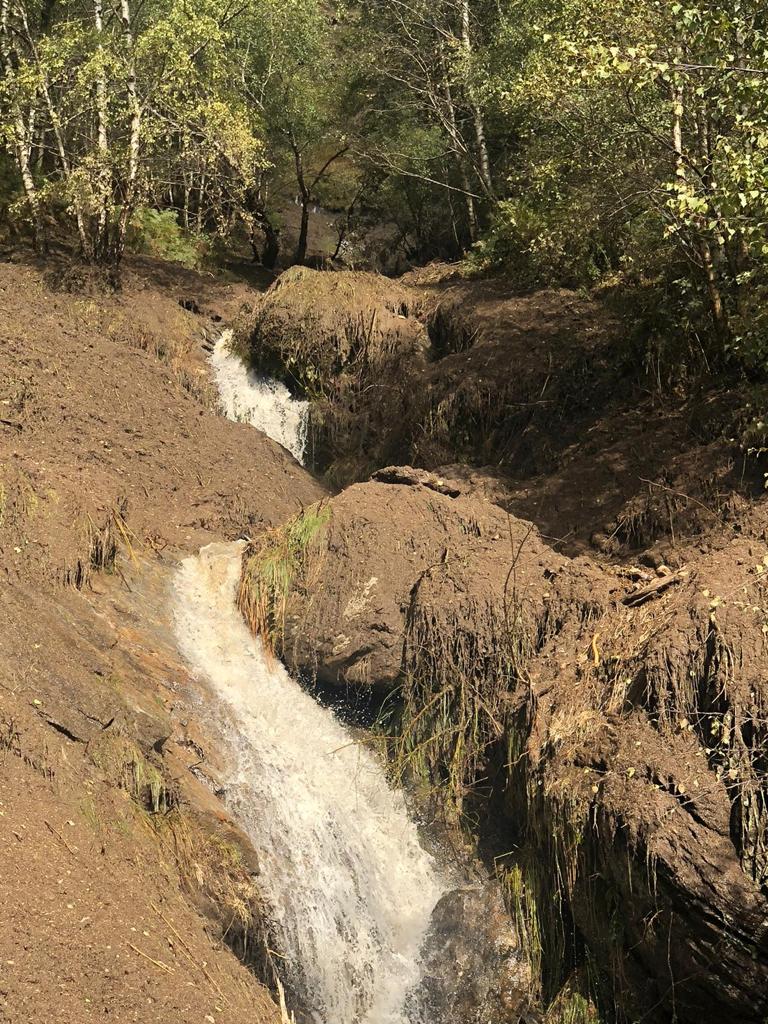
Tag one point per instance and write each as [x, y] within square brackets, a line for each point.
[474, 971]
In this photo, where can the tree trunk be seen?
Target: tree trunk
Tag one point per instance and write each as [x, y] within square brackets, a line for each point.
[344, 230]
[21, 149]
[200, 217]
[256, 206]
[301, 246]
[21, 140]
[704, 249]
[102, 134]
[458, 149]
[134, 139]
[484, 163]
[58, 134]
[717, 307]
[271, 244]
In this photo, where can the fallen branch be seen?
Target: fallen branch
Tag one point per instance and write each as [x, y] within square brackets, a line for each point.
[59, 836]
[638, 597]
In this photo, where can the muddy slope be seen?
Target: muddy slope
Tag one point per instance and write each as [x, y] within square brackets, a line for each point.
[106, 412]
[539, 400]
[127, 889]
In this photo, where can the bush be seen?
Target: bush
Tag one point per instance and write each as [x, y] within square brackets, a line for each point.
[158, 233]
[540, 245]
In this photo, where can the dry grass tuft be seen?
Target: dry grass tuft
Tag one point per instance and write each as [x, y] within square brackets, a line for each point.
[212, 870]
[126, 767]
[103, 543]
[457, 678]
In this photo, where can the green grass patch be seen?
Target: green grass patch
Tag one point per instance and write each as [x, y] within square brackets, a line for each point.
[274, 566]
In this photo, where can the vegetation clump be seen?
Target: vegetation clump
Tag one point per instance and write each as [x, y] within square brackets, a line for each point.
[274, 566]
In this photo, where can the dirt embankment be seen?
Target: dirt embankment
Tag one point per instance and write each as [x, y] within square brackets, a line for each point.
[567, 601]
[127, 890]
[606, 722]
[538, 400]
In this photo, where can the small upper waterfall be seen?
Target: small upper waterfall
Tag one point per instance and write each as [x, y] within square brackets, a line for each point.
[266, 404]
[350, 888]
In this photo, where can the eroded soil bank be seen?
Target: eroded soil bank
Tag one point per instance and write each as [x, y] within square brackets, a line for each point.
[566, 604]
[127, 889]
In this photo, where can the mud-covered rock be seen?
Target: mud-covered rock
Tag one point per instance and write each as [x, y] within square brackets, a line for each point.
[384, 545]
[431, 372]
[473, 969]
[311, 327]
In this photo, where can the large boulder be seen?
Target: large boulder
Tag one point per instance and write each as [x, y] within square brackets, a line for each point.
[349, 343]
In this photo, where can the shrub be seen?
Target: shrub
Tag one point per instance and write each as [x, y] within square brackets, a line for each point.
[158, 233]
[540, 244]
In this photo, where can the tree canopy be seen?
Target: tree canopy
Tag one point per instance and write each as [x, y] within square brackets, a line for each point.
[565, 140]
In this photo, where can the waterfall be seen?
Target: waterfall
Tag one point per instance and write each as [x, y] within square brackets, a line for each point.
[349, 887]
[265, 404]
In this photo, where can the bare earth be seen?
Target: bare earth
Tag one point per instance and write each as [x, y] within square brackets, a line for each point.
[114, 908]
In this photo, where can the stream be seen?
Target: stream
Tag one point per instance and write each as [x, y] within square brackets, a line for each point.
[349, 887]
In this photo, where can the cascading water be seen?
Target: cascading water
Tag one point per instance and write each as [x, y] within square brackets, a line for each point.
[350, 888]
[266, 404]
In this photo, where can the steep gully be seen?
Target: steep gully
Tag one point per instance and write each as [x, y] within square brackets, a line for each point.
[349, 887]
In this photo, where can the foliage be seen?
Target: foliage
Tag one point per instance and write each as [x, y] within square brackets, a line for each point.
[158, 233]
[114, 109]
[651, 113]
[539, 245]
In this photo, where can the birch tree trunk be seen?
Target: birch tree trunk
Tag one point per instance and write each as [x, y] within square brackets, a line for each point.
[22, 136]
[457, 142]
[58, 134]
[102, 137]
[484, 163]
[131, 185]
[22, 146]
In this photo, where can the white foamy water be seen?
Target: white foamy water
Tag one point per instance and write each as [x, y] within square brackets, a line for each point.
[266, 404]
[350, 888]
